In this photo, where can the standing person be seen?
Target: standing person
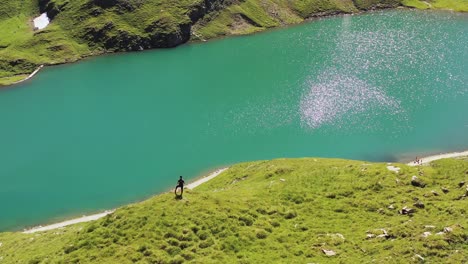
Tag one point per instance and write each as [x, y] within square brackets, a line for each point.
[180, 183]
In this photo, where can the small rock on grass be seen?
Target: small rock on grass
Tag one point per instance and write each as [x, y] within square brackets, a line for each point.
[448, 229]
[419, 257]
[419, 204]
[460, 184]
[415, 181]
[444, 190]
[328, 252]
[426, 234]
[406, 211]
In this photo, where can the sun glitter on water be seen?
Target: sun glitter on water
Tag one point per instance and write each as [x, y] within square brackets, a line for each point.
[335, 99]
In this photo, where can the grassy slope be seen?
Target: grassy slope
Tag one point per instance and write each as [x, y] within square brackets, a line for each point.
[274, 211]
[83, 28]
[456, 5]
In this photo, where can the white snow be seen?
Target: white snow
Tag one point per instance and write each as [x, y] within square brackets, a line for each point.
[41, 21]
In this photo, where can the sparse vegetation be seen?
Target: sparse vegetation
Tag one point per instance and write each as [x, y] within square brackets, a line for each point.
[304, 208]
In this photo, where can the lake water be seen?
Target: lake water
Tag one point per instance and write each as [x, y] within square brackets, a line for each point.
[116, 129]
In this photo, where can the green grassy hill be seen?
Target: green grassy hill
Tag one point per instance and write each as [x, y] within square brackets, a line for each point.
[81, 28]
[280, 211]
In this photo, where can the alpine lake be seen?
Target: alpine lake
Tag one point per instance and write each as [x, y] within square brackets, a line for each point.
[383, 86]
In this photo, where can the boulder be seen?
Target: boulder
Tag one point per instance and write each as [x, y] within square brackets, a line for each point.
[415, 181]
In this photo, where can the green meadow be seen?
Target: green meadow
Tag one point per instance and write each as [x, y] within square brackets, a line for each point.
[279, 211]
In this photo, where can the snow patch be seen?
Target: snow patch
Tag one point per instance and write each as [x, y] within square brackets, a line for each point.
[41, 21]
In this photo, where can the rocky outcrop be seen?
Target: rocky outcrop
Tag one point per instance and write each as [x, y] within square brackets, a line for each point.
[165, 32]
[51, 8]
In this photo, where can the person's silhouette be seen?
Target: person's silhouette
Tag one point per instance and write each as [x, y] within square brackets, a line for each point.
[180, 183]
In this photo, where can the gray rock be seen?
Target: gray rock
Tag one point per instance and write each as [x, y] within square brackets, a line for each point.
[329, 252]
[444, 190]
[419, 204]
[415, 181]
[460, 184]
[419, 257]
[426, 234]
[435, 193]
[448, 229]
[406, 211]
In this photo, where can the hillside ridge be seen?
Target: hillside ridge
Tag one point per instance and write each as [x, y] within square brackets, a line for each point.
[285, 210]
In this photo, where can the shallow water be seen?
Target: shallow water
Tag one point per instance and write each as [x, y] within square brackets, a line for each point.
[116, 129]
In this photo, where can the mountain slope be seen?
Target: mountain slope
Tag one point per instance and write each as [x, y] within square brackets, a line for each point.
[81, 28]
[282, 211]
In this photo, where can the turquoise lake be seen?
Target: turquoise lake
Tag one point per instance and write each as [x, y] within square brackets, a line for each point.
[116, 129]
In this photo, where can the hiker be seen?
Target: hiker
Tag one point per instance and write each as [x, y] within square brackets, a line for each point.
[180, 183]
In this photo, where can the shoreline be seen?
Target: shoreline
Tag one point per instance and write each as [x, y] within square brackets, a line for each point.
[93, 217]
[29, 76]
[430, 158]
[203, 179]
[312, 18]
